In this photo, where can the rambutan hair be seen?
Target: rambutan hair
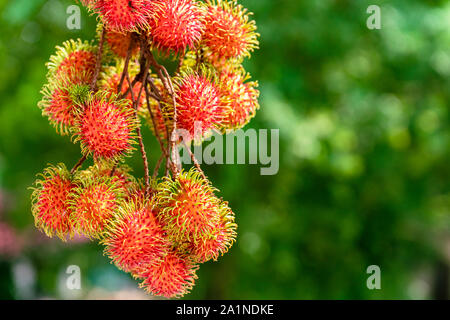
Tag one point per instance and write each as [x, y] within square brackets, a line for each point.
[118, 42]
[60, 102]
[229, 33]
[135, 239]
[175, 24]
[172, 278]
[74, 60]
[105, 127]
[219, 241]
[93, 203]
[188, 208]
[240, 96]
[122, 15]
[199, 106]
[51, 202]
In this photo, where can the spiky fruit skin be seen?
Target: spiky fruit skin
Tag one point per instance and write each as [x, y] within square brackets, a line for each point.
[187, 207]
[93, 204]
[175, 24]
[219, 241]
[122, 15]
[119, 43]
[105, 127]
[135, 239]
[118, 173]
[172, 278]
[51, 202]
[60, 102]
[240, 96]
[228, 32]
[74, 60]
[199, 107]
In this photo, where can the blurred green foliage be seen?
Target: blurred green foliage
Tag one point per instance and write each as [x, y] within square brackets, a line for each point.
[364, 170]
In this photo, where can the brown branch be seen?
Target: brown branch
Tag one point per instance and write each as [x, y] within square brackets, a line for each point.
[127, 62]
[158, 165]
[98, 62]
[194, 160]
[78, 164]
[167, 82]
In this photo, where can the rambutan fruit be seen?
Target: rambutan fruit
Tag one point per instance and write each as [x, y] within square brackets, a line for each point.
[187, 207]
[51, 202]
[199, 107]
[75, 61]
[240, 96]
[172, 278]
[122, 15]
[135, 239]
[60, 101]
[229, 33]
[175, 24]
[105, 127]
[93, 203]
[119, 42]
[219, 241]
[119, 173]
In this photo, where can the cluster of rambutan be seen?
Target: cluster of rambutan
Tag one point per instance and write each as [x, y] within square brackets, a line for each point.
[157, 229]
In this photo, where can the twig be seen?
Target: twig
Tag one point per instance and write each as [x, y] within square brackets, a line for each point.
[127, 62]
[158, 165]
[78, 164]
[194, 160]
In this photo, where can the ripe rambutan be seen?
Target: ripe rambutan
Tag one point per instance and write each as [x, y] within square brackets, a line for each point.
[60, 101]
[135, 239]
[119, 42]
[240, 96]
[75, 61]
[105, 127]
[219, 241]
[122, 15]
[93, 203]
[50, 202]
[175, 24]
[172, 278]
[187, 207]
[119, 174]
[228, 32]
[199, 107]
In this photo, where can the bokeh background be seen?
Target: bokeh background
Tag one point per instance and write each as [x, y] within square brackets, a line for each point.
[364, 158]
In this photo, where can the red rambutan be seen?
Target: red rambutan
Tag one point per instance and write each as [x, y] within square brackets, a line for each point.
[105, 127]
[172, 278]
[50, 202]
[122, 15]
[175, 24]
[199, 107]
[187, 207]
[75, 61]
[119, 42]
[228, 32]
[219, 241]
[60, 102]
[135, 239]
[240, 96]
[93, 203]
